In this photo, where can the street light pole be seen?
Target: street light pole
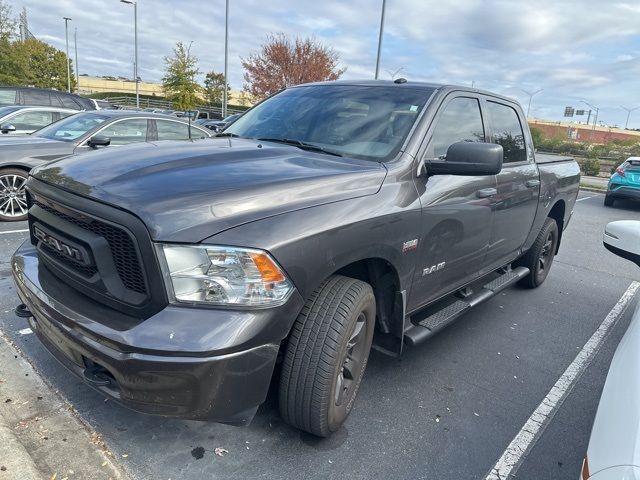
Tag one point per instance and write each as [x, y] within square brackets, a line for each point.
[629, 110]
[135, 33]
[75, 44]
[384, 4]
[531, 95]
[225, 97]
[66, 34]
[595, 118]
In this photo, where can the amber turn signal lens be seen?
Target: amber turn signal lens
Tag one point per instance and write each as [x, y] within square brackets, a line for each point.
[585, 469]
[268, 270]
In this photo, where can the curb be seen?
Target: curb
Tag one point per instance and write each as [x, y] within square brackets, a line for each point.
[15, 461]
[590, 188]
[41, 436]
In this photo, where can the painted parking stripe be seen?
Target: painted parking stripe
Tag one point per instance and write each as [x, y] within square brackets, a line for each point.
[520, 446]
[585, 198]
[14, 231]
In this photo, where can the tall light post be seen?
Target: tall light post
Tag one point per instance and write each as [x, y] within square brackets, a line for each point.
[135, 62]
[384, 4]
[531, 95]
[629, 110]
[75, 44]
[66, 34]
[225, 97]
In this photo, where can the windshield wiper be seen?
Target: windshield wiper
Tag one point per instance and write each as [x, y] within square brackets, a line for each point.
[302, 145]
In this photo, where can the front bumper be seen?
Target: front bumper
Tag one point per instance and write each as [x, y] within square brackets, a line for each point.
[195, 363]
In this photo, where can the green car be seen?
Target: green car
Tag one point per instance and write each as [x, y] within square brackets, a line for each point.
[625, 182]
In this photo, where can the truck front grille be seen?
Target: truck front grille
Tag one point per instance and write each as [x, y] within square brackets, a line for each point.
[123, 250]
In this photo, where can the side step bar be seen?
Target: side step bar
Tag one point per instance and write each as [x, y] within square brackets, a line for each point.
[426, 327]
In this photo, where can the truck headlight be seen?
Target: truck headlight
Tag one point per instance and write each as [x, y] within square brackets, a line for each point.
[218, 275]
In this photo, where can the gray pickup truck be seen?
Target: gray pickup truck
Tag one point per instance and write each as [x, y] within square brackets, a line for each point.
[182, 279]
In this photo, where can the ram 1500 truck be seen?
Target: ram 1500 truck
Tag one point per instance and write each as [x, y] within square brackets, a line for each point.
[332, 217]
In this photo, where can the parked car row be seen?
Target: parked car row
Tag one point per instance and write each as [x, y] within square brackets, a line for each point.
[84, 131]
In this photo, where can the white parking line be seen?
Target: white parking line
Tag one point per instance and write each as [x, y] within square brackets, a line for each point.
[520, 446]
[585, 198]
[14, 231]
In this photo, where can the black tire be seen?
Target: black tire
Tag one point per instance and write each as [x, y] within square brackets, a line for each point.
[539, 257]
[13, 199]
[326, 355]
[608, 201]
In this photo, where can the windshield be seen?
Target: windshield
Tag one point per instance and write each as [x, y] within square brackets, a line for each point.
[360, 121]
[70, 128]
[4, 111]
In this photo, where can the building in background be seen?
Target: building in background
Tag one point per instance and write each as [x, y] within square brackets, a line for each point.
[119, 86]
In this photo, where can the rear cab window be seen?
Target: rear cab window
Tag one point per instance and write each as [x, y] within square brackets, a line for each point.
[507, 131]
[8, 97]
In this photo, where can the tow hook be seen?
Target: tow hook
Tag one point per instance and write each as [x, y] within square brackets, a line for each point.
[22, 311]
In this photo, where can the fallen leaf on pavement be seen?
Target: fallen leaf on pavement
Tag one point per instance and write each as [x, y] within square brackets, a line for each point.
[220, 451]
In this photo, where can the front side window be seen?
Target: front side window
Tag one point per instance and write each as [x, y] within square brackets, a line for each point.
[126, 131]
[168, 130]
[68, 102]
[71, 127]
[507, 132]
[30, 120]
[368, 122]
[460, 121]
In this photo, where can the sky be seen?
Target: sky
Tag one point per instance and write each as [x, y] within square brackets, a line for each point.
[586, 50]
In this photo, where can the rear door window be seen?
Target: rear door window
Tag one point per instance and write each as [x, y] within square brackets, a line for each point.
[168, 130]
[507, 131]
[34, 97]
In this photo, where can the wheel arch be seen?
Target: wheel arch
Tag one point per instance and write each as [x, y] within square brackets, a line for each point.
[557, 213]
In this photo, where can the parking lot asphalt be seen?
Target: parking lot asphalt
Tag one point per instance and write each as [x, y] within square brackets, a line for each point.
[446, 410]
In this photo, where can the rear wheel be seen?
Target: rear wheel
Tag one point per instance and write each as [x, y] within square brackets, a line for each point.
[608, 201]
[327, 355]
[539, 257]
[13, 197]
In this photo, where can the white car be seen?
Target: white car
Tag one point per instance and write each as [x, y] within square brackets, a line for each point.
[22, 120]
[614, 446]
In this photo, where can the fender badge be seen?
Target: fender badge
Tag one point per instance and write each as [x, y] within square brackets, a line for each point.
[410, 245]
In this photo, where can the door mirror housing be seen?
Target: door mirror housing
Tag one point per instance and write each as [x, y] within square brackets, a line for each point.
[469, 158]
[623, 239]
[7, 128]
[99, 141]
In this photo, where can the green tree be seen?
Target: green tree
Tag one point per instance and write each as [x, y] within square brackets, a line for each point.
[179, 82]
[46, 66]
[8, 23]
[214, 87]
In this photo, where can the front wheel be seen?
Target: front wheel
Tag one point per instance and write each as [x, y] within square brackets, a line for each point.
[13, 196]
[608, 201]
[539, 257]
[327, 355]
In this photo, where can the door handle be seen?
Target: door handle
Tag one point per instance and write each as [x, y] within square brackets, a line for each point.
[532, 183]
[486, 192]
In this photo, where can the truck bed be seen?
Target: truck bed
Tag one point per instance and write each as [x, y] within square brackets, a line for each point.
[551, 158]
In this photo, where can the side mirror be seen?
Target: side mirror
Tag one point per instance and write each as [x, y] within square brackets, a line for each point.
[623, 239]
[7, 128]
[469, 158]
[98, 141]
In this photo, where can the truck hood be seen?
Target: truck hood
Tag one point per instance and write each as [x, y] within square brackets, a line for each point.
[188, 191]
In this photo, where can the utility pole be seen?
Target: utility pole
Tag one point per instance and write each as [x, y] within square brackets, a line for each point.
[66, 33]
[384, 4]
[225, 97]
[595, 118]
[75, 44]
[628, 110]
[531, 95]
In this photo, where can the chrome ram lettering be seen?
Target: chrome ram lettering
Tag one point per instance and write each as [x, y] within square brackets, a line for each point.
[58, 245]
